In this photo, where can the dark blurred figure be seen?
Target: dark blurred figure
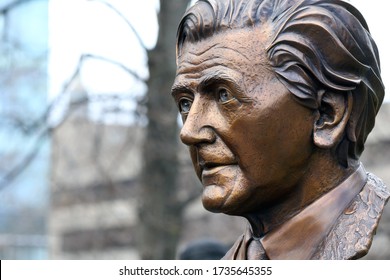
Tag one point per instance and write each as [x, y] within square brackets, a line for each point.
[204, 249]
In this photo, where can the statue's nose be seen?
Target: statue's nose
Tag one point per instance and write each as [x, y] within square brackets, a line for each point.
[197, 127]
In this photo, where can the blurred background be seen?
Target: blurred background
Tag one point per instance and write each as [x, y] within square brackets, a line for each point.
[91, 165]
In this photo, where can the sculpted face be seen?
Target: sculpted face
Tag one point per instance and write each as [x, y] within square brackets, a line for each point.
[249, 140]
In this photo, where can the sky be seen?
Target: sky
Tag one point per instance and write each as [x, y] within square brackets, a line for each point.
[96, 29]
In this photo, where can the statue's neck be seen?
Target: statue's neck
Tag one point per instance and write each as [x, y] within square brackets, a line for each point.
[322, 176]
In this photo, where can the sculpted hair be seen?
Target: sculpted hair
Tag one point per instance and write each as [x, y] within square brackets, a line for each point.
[315, 46]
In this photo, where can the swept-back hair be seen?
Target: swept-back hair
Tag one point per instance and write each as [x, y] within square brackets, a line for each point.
[315, 45]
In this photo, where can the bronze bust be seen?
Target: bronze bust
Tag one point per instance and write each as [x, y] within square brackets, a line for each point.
[277, 99]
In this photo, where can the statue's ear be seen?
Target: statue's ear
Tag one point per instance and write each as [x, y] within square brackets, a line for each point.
[332, 120]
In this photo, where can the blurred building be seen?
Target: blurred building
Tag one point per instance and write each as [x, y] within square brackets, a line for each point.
[93, 191]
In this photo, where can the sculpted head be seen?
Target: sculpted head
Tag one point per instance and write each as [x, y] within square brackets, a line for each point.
[274, 94]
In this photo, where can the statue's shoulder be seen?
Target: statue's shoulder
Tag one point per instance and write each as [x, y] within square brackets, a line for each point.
[351, 237]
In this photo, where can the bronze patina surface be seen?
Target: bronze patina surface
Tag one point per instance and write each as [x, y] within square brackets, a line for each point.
[277, 99]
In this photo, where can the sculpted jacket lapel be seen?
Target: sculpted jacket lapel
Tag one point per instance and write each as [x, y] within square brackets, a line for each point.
[350, 239]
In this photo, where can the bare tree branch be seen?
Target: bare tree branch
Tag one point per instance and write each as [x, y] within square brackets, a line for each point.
[29, 128]
[44, 118]
[25, 162]
[10, 176]
[14, 121]
[8, 5]
[41, 122]
[128, 70]
[126, 20]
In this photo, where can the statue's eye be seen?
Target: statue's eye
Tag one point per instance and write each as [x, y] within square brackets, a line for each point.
[224, 95]
[185, 105]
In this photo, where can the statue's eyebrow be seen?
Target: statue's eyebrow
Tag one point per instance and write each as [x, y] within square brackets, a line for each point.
[180, 87]
[216, 77]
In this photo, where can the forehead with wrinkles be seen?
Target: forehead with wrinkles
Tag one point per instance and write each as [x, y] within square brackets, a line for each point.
[240, 51]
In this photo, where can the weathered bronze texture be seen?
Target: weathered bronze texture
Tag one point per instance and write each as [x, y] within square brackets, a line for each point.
[277, 99]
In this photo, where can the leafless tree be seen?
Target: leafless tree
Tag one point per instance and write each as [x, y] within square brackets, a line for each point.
[160, 211]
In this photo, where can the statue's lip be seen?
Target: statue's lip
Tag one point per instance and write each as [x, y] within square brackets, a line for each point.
[211, 169]
[206, 166]
[210, 175]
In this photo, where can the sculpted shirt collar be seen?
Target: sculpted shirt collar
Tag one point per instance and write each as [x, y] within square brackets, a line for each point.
[299, 237]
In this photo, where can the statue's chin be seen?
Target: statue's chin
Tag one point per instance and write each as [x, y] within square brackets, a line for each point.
[214, 197]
